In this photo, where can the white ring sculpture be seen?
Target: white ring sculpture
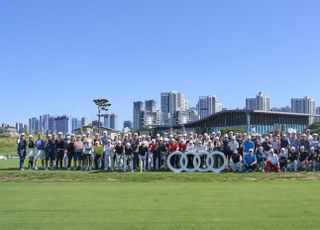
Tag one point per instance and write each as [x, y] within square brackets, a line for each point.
[196, 162]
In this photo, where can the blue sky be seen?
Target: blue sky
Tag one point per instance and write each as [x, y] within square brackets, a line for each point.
[58, 55]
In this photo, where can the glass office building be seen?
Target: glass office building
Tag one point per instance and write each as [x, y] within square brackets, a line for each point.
[251, 121]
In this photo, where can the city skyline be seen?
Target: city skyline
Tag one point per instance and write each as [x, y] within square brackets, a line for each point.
[155, 106]
[138, 49]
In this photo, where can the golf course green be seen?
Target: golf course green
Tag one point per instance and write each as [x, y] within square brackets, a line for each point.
[98, 200]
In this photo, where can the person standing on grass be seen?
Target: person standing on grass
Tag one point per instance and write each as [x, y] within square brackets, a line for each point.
[97, 150]
[31, 152]
[22, 150]
[151, 154]
[61, 147]
[119, 150]
[173, 147]
[51, 152]
[78, 145]
[87, 152]
[70, 151]
[41, 154]
[128, 157]
[317, 161]
[104, 141]
[143, 150]
[250, 161]
[108, 157]
[232, 148]
[55, 141]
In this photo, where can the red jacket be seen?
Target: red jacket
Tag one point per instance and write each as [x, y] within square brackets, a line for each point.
[182, 147]
[173, 147]
[152, 148]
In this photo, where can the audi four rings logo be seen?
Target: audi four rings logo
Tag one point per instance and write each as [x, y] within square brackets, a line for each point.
[197, 162]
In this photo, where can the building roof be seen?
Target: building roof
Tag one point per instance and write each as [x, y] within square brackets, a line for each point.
[241, 111]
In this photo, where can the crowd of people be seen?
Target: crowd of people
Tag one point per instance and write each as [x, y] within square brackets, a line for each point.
[131, 152]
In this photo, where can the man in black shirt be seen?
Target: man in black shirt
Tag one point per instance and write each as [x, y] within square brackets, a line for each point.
[61, 147]
[128, 157]
[119, 150]
[50, 152]
[143, 149]
[303, 159]
[70, 150]
[312, 159]
[236, 163]
[22, 150]
[293, 159]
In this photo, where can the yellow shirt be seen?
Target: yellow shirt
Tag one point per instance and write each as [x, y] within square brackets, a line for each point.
[98, 149]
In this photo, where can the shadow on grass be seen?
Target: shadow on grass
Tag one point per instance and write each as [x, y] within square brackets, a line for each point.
[9, 169]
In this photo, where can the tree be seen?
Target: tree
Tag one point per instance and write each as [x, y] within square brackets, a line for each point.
[103, 105]
[227, 130]
[314, 127]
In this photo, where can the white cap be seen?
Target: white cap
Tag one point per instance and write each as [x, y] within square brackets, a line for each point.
[30, 136]
[97, 134]
[128, 144]
[105, 132]
[23, 134]
[49, 135]
[68, 137]
[59, 133]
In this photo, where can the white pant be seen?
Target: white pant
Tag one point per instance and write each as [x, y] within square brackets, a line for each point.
[236, 166]
[31, 153]
[108, 161]
[150, 161]
[126, 159]
[163, 157]
[293, 166]
[41, 154]
[143, 162]
[118, 160]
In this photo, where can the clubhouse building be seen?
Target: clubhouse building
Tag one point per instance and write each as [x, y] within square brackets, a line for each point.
[252, 121]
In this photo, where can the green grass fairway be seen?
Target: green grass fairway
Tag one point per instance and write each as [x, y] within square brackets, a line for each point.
[81, 200]
[8, 145]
